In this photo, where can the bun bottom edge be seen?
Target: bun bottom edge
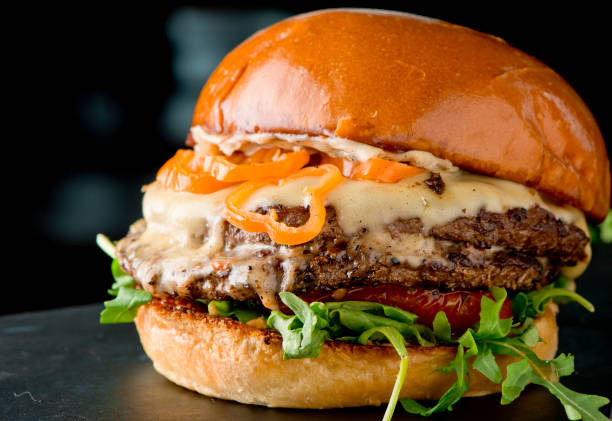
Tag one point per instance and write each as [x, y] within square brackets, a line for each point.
[226, 359]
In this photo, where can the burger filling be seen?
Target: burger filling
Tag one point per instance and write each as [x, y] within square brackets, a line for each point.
[447, 230]
[327, 239]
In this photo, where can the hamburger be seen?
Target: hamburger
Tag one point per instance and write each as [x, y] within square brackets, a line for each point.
[372, 207]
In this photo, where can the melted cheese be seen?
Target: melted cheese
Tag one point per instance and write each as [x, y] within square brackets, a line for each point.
[371, 205]
[189, 227]
[183, 219]
[184, 234]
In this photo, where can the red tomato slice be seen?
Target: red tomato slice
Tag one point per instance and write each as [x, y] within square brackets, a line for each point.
[462, 308]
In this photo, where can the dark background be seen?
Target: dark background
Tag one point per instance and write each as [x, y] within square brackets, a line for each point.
[101, 95]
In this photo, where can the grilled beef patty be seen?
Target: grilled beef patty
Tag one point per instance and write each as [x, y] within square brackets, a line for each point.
[521, 249]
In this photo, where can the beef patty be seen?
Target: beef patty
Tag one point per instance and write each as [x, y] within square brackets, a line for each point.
[521, 249]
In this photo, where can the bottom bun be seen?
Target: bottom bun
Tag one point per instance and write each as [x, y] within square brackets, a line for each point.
[223, 358]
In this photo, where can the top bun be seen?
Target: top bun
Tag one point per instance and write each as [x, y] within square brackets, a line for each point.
[401, 82]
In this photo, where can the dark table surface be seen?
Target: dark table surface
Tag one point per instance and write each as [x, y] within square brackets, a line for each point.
[62, 365]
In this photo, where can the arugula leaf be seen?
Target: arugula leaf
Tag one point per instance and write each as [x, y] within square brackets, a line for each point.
[229, 308]
[303, 311]
[397, 340]
[577, 405]
[518, 374]
[492, 336]
[441, 327]
[312, 335]
[543, 295]
[486, 364]
[520, 302]
[394, 337]
[375, 308]
[491, 326]
[452, 395]
[564, 364]
[532, 304]
[290, 329]
[530, 337]
[124, 307]
[593, 233]
[422, 334]
[303, 334]
[360, 321]
[605, 229]
[122, 279]
[546, 373]
[468, 341]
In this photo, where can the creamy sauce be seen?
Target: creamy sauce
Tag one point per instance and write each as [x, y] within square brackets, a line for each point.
[333, 146]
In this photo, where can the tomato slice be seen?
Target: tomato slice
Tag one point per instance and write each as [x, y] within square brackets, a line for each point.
[462, 308]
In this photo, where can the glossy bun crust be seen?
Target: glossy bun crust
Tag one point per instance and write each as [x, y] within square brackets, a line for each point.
[402, 82]
[223, 358]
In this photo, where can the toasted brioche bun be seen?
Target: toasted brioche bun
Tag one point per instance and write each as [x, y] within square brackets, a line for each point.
[402, 82]
[222, 358]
